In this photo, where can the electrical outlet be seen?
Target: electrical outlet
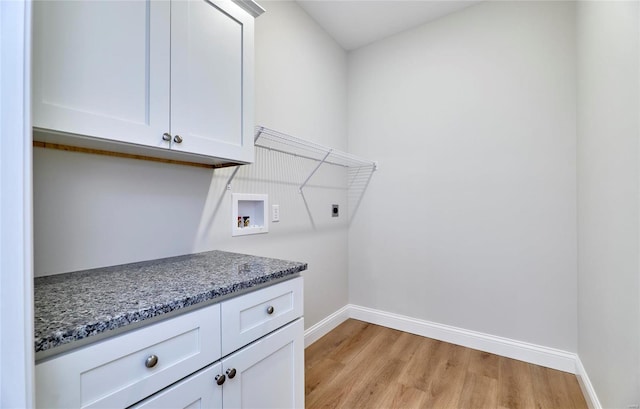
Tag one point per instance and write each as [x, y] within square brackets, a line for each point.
[275, 213]
[335, 210]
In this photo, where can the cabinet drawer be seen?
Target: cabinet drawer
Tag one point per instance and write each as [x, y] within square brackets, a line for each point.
[247, 318]
[113, 373]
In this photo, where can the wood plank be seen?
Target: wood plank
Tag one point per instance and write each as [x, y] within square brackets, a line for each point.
[400, 396]
[329, 342]
[574, 392]
[357, 356]
[449, 368]
[417, 373]
[515, 387]
[484, 364]
[544, 389]
[321, 373]
[478, 391]
[376, 375]
[561, 389]
[374, 370]
[405, 347]
[350, 348]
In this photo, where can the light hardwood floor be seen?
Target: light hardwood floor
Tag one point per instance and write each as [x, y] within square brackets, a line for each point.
[361, 365]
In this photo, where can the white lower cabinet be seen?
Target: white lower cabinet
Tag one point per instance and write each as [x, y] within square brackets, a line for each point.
[268, 373]
[180, 362]
[127, 368]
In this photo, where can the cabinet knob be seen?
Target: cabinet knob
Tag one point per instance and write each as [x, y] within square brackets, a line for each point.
[151, 361]
[231, 373]
[166, 136]
[177, 139]
[220, 379]
[270, 310]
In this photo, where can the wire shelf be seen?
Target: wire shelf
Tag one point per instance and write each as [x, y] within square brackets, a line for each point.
[270, 139]
[280, 142]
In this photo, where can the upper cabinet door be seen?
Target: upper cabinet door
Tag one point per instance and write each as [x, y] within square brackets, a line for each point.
[212, 79]
[101, 69]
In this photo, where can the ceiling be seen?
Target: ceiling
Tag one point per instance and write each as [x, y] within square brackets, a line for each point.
[355, 23]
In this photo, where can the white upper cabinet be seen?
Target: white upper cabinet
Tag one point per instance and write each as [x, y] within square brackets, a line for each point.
[212, 78]
[154, 74]
[101, 69]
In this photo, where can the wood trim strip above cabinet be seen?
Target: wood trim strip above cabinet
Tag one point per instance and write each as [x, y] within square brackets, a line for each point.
[57, 146]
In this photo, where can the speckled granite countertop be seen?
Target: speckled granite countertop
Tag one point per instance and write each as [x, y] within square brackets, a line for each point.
[75, 306]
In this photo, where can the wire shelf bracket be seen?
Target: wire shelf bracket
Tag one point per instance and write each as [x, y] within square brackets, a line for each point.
[314, 170]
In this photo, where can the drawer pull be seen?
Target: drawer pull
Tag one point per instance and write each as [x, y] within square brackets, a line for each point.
[231, 373]
[151, 361]
[270, 310]
[220, 379]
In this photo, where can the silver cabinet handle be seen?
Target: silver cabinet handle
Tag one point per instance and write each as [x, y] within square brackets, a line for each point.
[166, 136]
[177, 139]
[270, 310]
[151, 361]
[231, 373]
[220, 379]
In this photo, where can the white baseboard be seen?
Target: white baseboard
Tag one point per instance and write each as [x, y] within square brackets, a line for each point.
[522, 351]
[587, 388]
[317, 331]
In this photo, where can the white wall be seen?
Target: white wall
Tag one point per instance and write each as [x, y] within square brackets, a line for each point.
[93, 211]
[608, 213]
[471, 219]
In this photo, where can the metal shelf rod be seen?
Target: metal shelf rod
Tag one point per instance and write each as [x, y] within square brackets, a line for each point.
[298, 155]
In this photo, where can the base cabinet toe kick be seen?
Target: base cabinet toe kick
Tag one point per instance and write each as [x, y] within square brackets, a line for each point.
[245, 352]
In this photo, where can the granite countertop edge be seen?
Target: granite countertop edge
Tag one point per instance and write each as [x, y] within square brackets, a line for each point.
[66, 333]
